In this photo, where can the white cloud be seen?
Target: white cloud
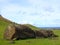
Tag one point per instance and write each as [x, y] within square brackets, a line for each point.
[41, 12]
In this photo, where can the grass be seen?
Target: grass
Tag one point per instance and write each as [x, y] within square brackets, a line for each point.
[33, 42]
[32, 27]
[41, 41]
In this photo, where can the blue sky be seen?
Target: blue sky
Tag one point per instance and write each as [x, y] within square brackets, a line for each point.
[41, 13]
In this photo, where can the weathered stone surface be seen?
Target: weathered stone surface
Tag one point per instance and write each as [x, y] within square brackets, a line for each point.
[9, 32]
[45, 33]
[14, 32]
[18, 32]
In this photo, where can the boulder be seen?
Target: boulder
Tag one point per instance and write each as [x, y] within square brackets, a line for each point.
[51, 33]
[24, 32]
[18, 32]
[45, 33]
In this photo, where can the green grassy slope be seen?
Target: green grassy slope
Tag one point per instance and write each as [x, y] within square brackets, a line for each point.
[32, 27]
[4, 23]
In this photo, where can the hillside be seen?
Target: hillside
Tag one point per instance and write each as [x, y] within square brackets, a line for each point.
[4, 19]
[40, 41]
[5, 22]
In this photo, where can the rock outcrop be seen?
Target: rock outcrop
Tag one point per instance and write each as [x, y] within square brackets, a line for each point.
[45, 33]
[18, 32]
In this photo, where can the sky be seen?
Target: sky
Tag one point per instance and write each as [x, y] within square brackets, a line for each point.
[41, 13]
